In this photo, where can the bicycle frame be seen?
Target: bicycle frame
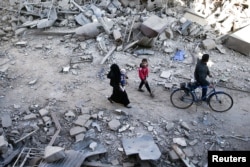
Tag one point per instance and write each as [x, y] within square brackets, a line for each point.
[210, 93]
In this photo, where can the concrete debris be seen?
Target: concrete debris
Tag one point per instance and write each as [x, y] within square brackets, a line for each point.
[183, 157]
[52, 153]
[3, 145]
[77, 130]
[208, 44]
[144, 146]
[153, 26]
[239, 41]
[180, 141]
[6, 120]
[114, 124]
[90, 30]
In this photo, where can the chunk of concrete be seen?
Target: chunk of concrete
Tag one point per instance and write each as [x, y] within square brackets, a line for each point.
[144, 146]
[77, 130]
[89, 30]
[82, 119]
[6, 120]
[165, 74]
[180, 141]
[53, 153]
[43, 112]
[3, 145]
[240, 41]
[114, 124]
[208, 44]
[153, 26]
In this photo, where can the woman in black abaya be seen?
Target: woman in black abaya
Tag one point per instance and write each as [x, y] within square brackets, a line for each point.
[118, 95]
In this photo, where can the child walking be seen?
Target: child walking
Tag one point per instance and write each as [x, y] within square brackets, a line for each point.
[124, 78]
[143, 74]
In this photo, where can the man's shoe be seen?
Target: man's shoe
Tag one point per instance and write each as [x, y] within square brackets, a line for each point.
[140, 90]
[152, 95]
[128, 106]
[109, 99]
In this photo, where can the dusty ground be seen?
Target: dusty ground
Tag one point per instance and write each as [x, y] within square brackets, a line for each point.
[88, 85]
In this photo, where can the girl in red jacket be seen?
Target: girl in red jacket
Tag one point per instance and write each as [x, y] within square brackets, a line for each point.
[143, 74]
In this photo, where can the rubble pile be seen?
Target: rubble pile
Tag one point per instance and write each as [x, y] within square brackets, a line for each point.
[176, 31]
[75, 136]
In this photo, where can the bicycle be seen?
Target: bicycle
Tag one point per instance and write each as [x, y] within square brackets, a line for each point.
[186, 95]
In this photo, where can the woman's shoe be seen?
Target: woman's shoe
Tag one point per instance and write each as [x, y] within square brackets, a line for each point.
[109, 99]
[128, 106]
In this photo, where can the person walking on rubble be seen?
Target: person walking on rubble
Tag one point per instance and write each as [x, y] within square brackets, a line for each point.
[200, 74]
[143, 74]
[118, 95]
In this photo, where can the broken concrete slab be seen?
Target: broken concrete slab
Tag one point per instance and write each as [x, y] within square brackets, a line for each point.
[144, 146]
[239, 41]
[82, 119]
[208, 44]
[153, 26]
[3, 145]
[180, 141]
[52, 153]
[77, 130]
[90, 30]
[6, 120]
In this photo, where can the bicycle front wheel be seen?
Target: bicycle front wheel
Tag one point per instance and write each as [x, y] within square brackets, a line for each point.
[220, 102]
[181, 98]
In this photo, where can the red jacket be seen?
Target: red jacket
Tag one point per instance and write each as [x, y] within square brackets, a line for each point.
[143, 72]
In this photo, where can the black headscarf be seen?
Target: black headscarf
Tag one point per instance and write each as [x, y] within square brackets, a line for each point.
[114, 75]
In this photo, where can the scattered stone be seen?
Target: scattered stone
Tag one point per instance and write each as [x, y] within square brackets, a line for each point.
[82, 119]
[94, 124]
[21, 43]
[43, 112]
[166, 74]
[30, 116]
[193, 142]
[180, 141]
[185, 125]
[188, 152]
[150, 128]
[123, 128]
[169, 126]
[114, 124]
[93, 146]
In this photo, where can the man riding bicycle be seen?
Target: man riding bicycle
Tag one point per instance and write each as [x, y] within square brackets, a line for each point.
[200, 74]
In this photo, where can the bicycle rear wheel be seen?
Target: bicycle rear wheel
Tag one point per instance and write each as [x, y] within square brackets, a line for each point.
[220, 102]
[181, 98]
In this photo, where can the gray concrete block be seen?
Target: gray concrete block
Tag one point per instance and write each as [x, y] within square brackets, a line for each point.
[208, 44]
[239, 41]
[53, 153]
[153, 26]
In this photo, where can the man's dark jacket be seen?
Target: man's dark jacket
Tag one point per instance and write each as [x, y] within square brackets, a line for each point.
[201, 72]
